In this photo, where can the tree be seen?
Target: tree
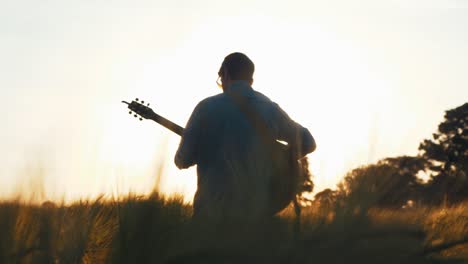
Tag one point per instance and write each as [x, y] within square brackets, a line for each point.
[326, 198]
[447, 156]
[406, 183]
[390, 183]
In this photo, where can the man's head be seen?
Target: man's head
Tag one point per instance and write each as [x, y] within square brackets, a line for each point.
[236, 66]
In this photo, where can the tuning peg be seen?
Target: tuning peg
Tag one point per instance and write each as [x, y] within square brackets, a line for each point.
[142, 102]
[136, 99]
[130, 112]
[141, 119]
[135, 115]
[147, 104]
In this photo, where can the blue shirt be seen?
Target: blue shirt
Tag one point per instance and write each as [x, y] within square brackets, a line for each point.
[232, 167]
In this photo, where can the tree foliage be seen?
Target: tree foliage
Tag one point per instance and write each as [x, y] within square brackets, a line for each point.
[391, 182]
[447, 156]
[326, 198]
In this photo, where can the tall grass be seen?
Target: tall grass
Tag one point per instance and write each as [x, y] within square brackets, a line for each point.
[157, 229]
[349, 228]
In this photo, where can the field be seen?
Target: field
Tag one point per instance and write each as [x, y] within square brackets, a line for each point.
[156, 229]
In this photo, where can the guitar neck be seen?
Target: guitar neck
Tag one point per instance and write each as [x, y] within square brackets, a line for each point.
[167, 124]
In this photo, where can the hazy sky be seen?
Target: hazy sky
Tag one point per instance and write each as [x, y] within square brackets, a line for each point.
[370, 79]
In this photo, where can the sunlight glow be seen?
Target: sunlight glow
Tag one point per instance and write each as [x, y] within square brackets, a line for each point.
[368, 82]
[315, 55]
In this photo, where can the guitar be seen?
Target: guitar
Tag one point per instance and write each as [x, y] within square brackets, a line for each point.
[288, 179]
[142, 111]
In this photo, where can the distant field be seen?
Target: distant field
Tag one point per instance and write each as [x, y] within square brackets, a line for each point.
[155, 229]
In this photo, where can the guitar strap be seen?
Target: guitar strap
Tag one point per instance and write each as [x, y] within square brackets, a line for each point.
[258, 123]
[263, 132]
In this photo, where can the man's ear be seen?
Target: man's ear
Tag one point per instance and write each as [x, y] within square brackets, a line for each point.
[251, 82]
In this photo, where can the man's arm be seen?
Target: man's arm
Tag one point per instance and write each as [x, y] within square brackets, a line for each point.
[297, 136]
[186, 154]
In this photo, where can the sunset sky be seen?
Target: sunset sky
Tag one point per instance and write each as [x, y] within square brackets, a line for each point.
[370, 79]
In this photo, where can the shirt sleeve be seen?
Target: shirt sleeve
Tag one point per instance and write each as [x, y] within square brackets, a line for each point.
[186, 154]
[297, 136]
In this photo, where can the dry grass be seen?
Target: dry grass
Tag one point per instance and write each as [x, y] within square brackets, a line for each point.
[156, 229]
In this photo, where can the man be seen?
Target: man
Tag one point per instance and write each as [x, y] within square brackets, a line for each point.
[233, 163]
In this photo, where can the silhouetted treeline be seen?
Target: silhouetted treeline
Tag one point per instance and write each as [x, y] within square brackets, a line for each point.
[397, 182]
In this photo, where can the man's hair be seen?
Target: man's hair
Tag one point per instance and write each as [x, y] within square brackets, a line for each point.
[237, 66]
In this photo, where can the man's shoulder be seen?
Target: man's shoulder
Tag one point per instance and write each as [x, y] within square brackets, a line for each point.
[261, 97]
[212, 100]
[206, 105]
[219, 100]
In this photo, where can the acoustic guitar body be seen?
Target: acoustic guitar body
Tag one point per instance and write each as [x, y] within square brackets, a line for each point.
[284, 181]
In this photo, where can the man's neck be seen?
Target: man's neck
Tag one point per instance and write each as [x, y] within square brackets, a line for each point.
[236, 83]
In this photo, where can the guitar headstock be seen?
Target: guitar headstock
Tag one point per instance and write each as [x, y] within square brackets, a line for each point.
[139, 109]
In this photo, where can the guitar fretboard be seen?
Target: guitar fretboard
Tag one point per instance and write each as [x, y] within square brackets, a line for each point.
[168, 124]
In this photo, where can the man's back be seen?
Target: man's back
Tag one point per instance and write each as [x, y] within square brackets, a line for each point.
[233, 165]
